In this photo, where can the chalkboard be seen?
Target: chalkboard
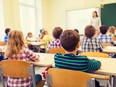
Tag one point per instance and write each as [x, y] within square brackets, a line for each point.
[79, 19]
[108, 14]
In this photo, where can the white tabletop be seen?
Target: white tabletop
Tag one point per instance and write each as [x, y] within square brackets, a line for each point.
[37, 43]
[110, 49]
[108, 64]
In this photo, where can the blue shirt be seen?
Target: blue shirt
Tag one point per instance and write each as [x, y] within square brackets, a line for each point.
[106, 39]
[6, 38]
[92, 44]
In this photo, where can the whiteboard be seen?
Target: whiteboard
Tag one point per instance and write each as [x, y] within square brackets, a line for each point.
[79, 19]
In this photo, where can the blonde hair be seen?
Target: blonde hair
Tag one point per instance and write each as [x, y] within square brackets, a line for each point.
[112, 29]
[44, 32]
[28, 34]
[15, 44]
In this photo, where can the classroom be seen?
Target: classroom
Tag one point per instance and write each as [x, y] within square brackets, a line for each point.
[58, 43]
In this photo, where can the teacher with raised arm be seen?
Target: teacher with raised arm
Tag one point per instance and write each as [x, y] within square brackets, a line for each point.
[96, 22]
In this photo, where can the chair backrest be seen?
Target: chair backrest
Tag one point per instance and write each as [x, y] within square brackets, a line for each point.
[56, 50]
[114, 38]
[95, 54]
[106, 44]
[67, 78]
[3, 43]
[17, 69]
[14, 68]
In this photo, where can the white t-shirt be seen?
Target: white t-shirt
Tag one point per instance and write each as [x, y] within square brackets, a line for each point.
[96, 22]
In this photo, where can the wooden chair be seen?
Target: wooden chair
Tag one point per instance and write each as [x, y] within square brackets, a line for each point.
[3, 43]
[68, 78]
[106, 44]
[114, 38]
[56, 50]
[95, 54]
[17, 69]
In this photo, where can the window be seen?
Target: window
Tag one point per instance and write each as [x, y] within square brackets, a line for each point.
[30, 16]
[1, 21]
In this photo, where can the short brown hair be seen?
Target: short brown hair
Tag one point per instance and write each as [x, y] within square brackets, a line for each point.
[7, 30]
[57, 32]
[89, 31]
[103, 29]
[69, 40]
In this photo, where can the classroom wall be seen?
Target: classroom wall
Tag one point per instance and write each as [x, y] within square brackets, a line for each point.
[54, 11]
[11, 14]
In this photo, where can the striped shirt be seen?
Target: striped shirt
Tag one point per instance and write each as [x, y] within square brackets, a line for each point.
[73, 62]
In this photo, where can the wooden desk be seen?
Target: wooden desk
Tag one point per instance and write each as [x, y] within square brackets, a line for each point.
[108, 64]
[110, 49]
[37, 43]
[2, 50]
[107, 67]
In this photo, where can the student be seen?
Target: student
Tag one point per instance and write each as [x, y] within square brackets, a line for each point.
[46, 38]
[7, 30]
[103, 37]
[55, 43]
[16, 50]
[70, 60]
[112, 30]
[30, 37]
[90, 43]
[77, 30]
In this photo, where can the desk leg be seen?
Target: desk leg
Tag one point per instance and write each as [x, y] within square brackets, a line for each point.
[113, 81]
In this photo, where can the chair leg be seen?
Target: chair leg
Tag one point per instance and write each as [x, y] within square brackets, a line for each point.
[33, 75]
[2, 77]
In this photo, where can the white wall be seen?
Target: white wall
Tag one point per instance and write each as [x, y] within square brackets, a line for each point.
[54, 11]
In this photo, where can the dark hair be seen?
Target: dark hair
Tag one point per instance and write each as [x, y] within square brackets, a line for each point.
[89, 31]
[96, 13]
[69, 40]
[76, 30]
[103, 29]
[7, 30]
[57, 32]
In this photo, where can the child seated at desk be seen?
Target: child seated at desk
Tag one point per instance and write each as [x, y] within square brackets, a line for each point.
[55, 43]
[103, 37]
[7, 30]
[30, 37]
[70, 60]
[91, 43]
[16, 50]
[112, 30]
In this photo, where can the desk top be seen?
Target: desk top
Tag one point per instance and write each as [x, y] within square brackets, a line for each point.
[108, 64]
[110, 49]
[2, 48]
[37, 43]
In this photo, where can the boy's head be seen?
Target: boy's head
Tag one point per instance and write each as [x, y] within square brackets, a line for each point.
[112, 29]
[30, 35]
[69, 40]
[77, 30]
[57, 32]
[89, 31]
[7, 30]
[103, 29]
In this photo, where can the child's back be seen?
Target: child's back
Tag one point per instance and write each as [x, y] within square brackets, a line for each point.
[103, 37]
[16, 50]
[90, 43]
[70, 42]
[55, 43]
